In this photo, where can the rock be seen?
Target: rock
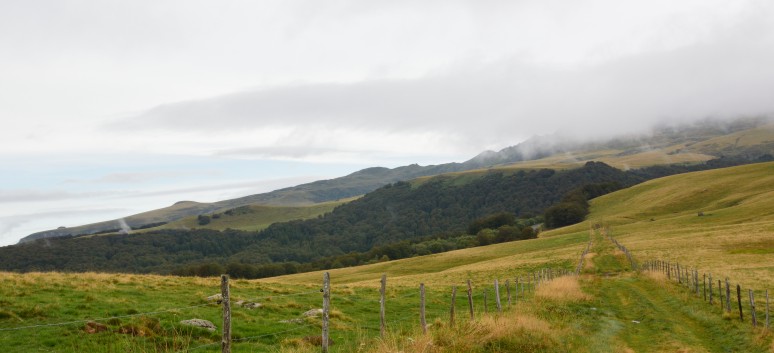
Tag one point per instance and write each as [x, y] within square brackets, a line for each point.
[313, 312]
[316, 340]
[252, 305]
[215, 297]
[94, 327]
[200, 323]
[248, 305]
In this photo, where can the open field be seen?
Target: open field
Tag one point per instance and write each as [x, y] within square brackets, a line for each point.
[254, 217]
[660, 219]
[609, 308]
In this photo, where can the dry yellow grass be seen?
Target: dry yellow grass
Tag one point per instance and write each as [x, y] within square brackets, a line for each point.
[564, 289]
[588, 261]
[660, 219]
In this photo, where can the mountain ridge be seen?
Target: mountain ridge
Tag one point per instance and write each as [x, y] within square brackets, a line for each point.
[698, 142]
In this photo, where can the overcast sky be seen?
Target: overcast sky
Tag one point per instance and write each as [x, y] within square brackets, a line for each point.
[110, 108]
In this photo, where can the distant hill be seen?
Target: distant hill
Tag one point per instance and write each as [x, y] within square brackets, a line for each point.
[389, 215]
[749, 138]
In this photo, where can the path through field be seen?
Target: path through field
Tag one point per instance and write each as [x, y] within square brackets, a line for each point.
[647, 313]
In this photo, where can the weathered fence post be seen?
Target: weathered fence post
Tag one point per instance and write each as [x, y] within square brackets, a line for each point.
[326, 315]
[739, 300]
[453, 302]
[752, 307]
[704, 288]
[225, 343]
[497, 296]
[728, 296]
[382, 291]
[470, 300]
[508, 291]
[422, 308]
[720, 294]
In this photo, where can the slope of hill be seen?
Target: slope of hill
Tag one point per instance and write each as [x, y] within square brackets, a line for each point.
[389, 216]
[748, 138]
[609, 308]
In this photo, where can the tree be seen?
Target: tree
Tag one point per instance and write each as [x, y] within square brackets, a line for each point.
[564, 214]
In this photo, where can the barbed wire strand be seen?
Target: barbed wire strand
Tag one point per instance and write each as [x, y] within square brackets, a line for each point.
[283, 295]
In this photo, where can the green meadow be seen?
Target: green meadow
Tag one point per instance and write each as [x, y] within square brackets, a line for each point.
[719, 221]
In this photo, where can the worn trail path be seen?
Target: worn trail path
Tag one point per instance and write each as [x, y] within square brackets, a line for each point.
[646, 313]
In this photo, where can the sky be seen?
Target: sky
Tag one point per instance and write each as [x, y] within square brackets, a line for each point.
[111, 108]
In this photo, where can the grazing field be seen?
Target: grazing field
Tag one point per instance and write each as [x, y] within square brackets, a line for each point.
[608, 308]
[253, 217]
[660, 219]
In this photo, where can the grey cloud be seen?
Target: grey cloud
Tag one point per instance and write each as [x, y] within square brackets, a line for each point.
[729, 76]
[262, 186]
[10, 196]
[143, 177]
[290, 151]
[10, 223]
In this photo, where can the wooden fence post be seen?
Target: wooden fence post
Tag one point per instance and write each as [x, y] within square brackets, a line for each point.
[705, 287]
[497, 296]
[728, 296]
[225, 343]
[470, 300]
[508, 291]
[752, 307]
[720, 294]
[739, 300]
[453, 302]
[381, 306]
[422, 308]
[326, 316]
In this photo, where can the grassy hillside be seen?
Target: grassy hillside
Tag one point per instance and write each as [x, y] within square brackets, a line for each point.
[660, 219]
[609, 308]
[253, 217]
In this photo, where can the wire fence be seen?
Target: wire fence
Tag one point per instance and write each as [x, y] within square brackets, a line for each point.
[403, 303]
[701, 285]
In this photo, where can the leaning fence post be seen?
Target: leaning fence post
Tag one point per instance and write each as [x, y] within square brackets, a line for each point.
[752, 307]
[739, 300]
[497, 296]
[225, 343]
[326, 316]
[381, 305]
[470, 300]
[451, 311]
[422, 308]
